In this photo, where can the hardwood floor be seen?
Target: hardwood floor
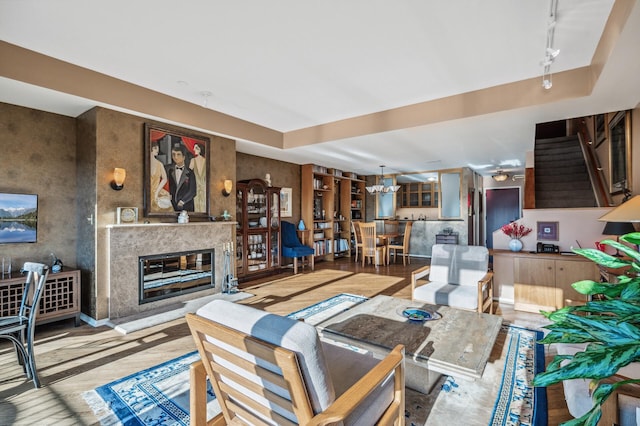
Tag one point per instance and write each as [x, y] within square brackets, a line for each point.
[72, 360]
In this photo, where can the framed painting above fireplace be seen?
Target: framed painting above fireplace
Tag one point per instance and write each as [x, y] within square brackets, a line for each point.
[176, 173]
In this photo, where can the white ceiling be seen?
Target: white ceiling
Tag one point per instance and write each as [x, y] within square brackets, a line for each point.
[291, 64]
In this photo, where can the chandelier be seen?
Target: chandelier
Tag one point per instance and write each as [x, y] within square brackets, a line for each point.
[380, 188]
[500, 176]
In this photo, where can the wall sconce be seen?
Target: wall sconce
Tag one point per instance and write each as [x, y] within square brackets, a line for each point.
[118, 178]
[227, 188]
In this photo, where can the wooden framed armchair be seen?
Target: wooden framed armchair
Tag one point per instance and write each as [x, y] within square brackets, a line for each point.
[267, 369]
[458, 276]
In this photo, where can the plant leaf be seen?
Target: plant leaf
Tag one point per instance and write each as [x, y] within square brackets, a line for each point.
[593, 363]
[591, 287]
[602, 258]
[631, 238]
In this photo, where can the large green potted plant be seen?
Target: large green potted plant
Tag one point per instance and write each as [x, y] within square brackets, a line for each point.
[609, 324]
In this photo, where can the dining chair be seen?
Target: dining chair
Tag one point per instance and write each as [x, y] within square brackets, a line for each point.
[357, 237]
[404, 246]
[19, 329]
[391, 226]
[371, 248]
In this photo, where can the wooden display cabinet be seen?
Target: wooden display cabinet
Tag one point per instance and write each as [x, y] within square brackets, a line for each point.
[258, 229]
[60, 297]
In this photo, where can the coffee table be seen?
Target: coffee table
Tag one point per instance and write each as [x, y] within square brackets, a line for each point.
[458, 344]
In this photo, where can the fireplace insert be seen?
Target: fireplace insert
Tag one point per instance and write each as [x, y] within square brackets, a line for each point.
[173, 274]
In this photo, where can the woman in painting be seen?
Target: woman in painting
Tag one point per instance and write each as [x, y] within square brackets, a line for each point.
[197, 164]
[160, 198]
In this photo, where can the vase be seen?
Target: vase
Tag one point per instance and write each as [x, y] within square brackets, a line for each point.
[301, 225]
[515, 245]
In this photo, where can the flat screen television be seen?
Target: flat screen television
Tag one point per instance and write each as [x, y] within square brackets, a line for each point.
[18, 218]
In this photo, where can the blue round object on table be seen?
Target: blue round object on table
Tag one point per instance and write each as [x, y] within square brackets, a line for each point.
[419, 315]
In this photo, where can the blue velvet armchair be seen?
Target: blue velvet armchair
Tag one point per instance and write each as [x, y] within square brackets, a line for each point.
[292, 247]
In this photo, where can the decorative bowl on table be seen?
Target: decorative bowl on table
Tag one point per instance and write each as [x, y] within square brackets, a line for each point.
[418, 314]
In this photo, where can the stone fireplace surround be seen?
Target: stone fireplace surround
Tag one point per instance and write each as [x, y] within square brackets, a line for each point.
[126, 243]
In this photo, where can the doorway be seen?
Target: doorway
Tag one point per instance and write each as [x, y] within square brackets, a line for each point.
[502, 207]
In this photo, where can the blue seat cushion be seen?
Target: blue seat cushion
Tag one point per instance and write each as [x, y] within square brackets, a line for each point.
[299, 251]
[291, 245]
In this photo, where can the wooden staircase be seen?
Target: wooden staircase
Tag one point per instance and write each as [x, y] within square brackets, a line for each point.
[561, 176]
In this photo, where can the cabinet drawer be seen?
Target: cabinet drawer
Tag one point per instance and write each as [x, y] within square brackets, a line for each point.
[446, 239]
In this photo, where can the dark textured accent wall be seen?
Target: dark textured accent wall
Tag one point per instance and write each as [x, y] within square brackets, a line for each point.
[108, 139]
[283, 174]
[39, 157]
[68, 162]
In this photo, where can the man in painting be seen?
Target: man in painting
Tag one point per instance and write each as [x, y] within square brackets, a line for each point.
[182, 180]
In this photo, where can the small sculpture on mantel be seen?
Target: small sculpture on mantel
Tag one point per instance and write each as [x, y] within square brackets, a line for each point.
[267, 179]
[183, 217]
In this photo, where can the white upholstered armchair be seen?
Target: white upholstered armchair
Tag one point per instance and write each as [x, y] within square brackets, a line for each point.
[458, 276]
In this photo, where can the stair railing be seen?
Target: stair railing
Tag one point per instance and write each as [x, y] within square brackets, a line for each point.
[595, 171]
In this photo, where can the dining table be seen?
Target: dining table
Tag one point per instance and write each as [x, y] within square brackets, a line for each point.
[386, 238]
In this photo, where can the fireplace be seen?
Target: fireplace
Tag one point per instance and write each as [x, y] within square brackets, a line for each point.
[173, 274]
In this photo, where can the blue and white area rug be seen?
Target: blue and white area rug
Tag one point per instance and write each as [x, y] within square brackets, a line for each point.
[502, 397]
[160, 395]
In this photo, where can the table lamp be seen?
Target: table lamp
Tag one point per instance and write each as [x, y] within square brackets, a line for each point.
[617, 229]
[619, 220]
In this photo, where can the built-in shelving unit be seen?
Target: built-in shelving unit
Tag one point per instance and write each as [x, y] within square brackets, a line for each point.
[331, 198]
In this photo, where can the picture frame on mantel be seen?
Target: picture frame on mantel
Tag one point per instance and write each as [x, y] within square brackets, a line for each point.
[176, 173]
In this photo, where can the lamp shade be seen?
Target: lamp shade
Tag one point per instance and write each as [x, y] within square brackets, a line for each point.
[119, 176]
[618, 228]
[625, 212]
[227, 187]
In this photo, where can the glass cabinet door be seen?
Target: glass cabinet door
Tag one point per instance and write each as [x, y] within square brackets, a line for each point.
[275, 228]
[240, 214]
[256, 251]
[240, 259]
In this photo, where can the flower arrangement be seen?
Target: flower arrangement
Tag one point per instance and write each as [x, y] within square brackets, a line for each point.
[515, 231]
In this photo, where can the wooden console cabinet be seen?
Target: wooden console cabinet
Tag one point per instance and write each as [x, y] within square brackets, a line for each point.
[60, 298]
[543, 281]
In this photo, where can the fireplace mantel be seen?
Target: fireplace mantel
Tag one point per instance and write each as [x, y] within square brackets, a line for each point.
[126, 243]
